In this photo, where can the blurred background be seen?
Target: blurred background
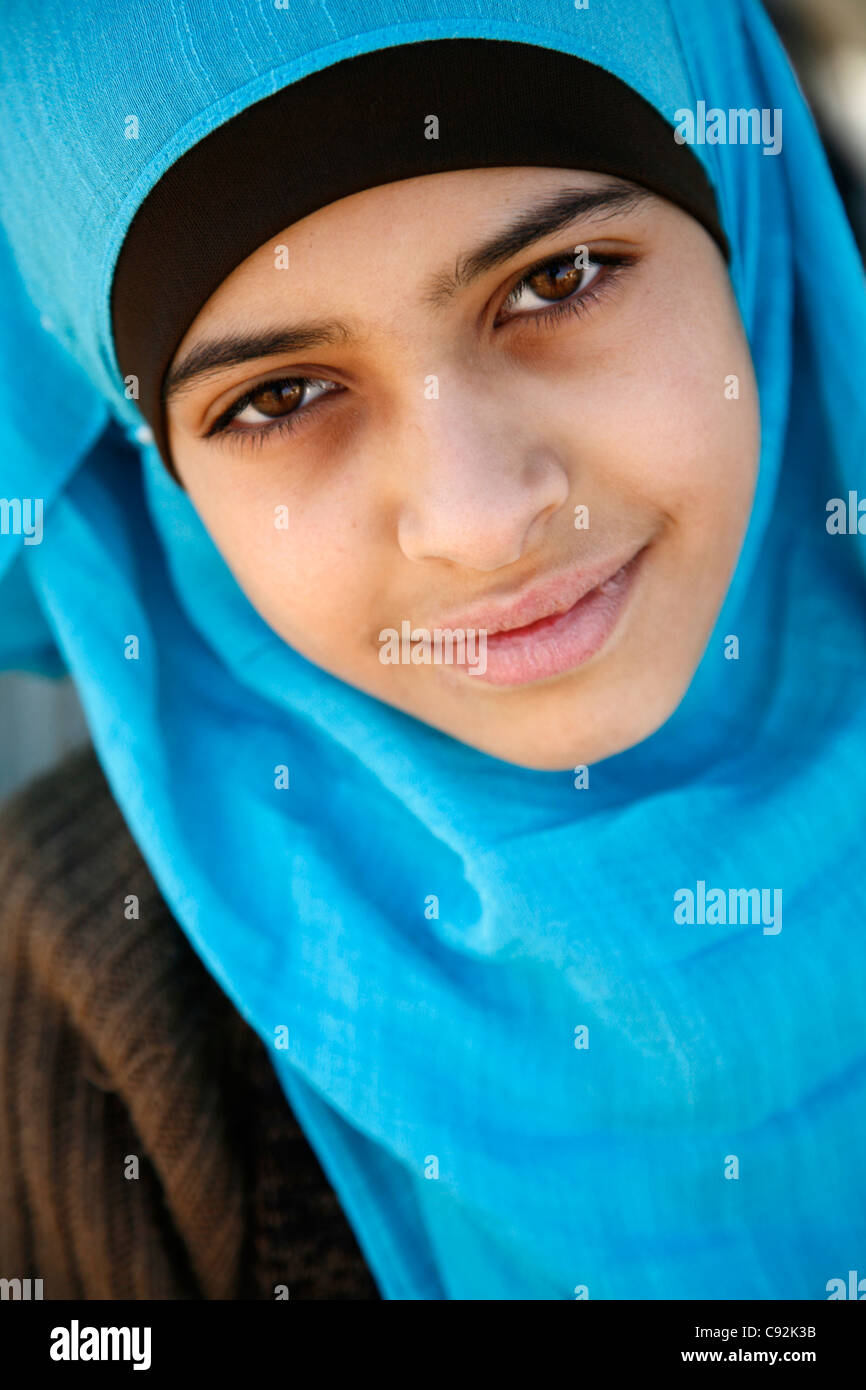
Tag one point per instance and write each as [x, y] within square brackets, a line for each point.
[41, 719]
[826, 43]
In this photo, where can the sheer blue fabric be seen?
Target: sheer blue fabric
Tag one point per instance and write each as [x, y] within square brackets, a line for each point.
[477, 1150]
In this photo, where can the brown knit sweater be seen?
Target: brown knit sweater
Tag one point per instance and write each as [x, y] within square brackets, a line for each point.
[117, 1044]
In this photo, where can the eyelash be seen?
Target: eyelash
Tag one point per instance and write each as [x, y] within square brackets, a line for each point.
[246, 437]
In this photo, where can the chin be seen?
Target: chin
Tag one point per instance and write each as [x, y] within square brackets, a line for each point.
[539, 747]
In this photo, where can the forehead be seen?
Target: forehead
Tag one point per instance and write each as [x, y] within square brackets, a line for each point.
[365, 259]
[416, 221]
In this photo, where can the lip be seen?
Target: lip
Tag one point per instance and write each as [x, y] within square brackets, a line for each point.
[556, 625]
[555, 594]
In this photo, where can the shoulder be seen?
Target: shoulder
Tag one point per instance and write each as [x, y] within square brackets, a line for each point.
[80, 914]
[63, 841]
[116, 1042]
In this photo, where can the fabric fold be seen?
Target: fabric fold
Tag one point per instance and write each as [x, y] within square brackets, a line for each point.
[401, 1039]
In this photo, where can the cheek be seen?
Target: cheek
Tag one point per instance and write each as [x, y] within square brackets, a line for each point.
[681, 414]
[661, 415]
[302, 564]
[667, 444]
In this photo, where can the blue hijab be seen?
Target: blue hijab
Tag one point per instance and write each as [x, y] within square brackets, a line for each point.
[553, 1087]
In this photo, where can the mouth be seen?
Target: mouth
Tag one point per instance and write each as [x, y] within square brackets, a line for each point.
[556, 626]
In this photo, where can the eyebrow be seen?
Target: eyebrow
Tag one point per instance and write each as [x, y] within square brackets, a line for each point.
[551, 215]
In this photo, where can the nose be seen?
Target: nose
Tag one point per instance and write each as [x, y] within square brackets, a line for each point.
[479, 482]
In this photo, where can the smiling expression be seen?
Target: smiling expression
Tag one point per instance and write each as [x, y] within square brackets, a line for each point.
[496, 398]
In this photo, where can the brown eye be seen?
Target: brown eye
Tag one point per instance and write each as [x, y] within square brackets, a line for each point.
[278, 401]
[554, 284]
[277, 397]
[555, 280]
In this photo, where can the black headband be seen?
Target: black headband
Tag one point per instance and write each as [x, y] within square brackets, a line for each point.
[357, 124]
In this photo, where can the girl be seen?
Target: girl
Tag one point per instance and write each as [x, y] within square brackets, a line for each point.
[445, 417]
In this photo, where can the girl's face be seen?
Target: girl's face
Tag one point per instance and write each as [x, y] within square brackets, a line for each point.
[464, 402]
